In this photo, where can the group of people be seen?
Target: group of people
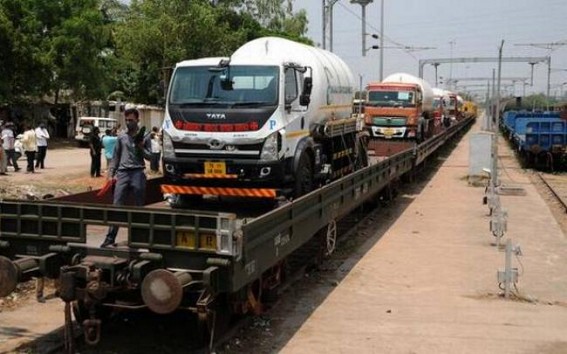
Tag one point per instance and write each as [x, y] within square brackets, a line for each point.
[125, 156]
[151, 149]
[33, 143]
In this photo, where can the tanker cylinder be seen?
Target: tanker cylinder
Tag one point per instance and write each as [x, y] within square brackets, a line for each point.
[12, 272]
[162, 290]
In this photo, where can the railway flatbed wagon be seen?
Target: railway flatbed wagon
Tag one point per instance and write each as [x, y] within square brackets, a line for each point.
[211, 261]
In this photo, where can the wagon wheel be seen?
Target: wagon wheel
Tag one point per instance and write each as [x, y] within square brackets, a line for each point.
[254, 297]
[549, 161]
[331, 238]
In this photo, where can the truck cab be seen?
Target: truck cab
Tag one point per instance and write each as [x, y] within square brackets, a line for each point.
[393, 110]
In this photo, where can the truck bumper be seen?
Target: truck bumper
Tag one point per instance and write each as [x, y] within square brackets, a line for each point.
[237, 173]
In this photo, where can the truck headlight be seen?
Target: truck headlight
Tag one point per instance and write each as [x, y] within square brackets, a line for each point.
[168, 150]
[270, 148]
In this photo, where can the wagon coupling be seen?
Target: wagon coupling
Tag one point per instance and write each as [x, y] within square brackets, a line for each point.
[91, 328]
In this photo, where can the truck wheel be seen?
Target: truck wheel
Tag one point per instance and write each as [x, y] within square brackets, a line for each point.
[303, 177]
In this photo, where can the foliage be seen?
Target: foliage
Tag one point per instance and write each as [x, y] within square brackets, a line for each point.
[87, 49]
[52, 46]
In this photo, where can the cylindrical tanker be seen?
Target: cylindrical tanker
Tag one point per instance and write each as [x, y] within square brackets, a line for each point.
[426, 90]
[333, 81]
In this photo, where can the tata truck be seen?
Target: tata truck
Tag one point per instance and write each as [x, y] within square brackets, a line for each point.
[273, 119]
[399, 107]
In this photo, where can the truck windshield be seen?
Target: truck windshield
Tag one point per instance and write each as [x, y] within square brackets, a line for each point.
[391, 98]
[201, 85]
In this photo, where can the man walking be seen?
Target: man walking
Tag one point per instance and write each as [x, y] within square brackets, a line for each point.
[29, 144]
[95, 146]
[127, 169]
[8, 141]
[41, 136]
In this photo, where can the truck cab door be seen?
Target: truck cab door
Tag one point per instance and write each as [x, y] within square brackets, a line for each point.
[293, 110]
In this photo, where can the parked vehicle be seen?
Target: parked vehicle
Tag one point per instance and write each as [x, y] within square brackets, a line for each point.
[400, 107]
[86, 125]
[470, 109]
[272, 120]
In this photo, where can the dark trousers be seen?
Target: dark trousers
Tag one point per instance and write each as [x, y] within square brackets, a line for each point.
[154, 161]
[129, 182]
[95, 165]
[41, 153]
[11, 156]
[30, 155]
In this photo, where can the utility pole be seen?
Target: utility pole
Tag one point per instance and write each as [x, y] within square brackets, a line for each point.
[363, 4]
[548, 78]
[451, 43]
[495, 158]
[324, 28]
[492, 119]
[436, 65]
[382, 40]
[328, 23]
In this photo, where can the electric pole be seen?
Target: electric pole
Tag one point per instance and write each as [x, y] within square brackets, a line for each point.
[363, 4]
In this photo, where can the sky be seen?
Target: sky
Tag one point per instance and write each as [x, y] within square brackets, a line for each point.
[456, 28]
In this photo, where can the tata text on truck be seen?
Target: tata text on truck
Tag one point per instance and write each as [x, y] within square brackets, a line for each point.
[273, 119]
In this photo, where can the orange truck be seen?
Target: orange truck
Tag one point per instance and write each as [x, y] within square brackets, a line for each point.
[399, 107]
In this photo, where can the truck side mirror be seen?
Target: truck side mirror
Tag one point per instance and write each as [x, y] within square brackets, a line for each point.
[226, 84]
[305, 97]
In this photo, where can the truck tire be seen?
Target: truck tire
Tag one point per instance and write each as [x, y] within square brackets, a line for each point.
[303, 183]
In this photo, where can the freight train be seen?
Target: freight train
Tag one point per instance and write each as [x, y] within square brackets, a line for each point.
[539, 137]
[212, 261]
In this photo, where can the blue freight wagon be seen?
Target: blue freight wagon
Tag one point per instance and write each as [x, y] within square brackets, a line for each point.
[540, 137]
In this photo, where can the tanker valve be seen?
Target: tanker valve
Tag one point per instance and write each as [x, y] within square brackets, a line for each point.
[162, 290]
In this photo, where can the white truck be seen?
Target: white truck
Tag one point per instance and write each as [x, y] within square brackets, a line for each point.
[274, 119]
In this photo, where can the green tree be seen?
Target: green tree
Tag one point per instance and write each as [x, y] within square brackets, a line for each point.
[51, 46]
[158, 33]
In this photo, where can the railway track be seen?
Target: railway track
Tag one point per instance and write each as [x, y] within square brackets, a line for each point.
[557, 186]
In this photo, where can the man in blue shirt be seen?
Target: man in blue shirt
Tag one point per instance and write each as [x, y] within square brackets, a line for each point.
[108, 143]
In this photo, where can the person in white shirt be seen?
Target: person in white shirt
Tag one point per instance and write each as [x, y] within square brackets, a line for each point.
[29, 145]
[8, 143]
[156, 150]
[41, 135]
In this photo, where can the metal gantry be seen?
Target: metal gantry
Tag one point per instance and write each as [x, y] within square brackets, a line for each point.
[437, 61]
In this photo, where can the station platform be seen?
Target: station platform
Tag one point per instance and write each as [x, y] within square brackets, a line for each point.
[430, 284]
